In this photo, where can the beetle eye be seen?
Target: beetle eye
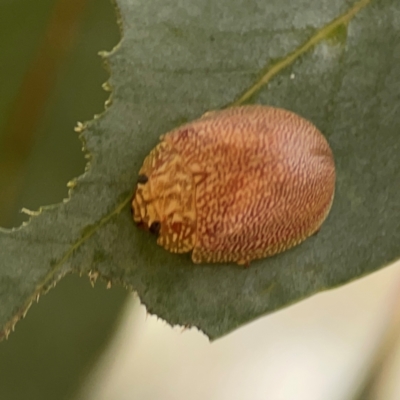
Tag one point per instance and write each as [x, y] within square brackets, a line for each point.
[155, 227]
[142, 179]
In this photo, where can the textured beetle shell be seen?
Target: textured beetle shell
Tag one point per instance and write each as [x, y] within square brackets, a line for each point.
[236, 185]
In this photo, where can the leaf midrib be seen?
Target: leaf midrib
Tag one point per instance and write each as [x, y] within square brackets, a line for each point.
[321, 34]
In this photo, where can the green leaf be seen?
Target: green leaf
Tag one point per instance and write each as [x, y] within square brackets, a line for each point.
[335, 63]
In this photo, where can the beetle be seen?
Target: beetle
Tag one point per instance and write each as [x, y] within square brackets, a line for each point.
[236, 185]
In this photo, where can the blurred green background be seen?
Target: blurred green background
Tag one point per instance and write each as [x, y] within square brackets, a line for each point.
[51, 77]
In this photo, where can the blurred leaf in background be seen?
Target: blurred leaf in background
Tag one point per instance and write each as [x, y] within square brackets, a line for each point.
[51, 77]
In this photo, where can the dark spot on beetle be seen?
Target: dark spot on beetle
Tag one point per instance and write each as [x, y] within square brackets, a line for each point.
[142, 179]
[155, 228]
[141, 225]
[212, 38]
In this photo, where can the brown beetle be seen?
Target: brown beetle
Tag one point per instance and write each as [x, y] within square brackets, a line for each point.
[236, 185]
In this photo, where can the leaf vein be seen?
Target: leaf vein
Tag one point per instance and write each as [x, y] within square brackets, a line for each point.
[297, 53]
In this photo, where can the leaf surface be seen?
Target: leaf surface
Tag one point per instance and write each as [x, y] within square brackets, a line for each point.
[335, 63]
